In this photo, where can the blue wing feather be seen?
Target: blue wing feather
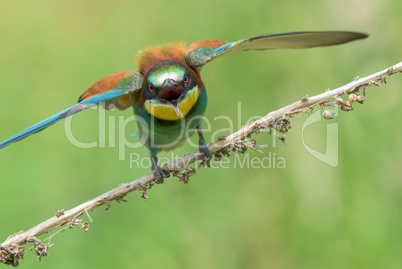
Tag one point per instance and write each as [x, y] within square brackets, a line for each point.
[35, 128]
[84, 104]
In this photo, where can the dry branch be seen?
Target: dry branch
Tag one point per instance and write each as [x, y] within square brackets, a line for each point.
[11, 250]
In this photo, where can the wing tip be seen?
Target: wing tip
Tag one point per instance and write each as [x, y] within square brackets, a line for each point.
[362, 35]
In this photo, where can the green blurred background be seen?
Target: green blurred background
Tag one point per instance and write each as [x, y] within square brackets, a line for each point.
[309, 215]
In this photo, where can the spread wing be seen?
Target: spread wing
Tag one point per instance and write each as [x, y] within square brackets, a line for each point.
[200, 53]
[114, 89]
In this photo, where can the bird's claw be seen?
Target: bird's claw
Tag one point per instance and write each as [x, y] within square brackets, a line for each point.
[160, 175]
[206, 153]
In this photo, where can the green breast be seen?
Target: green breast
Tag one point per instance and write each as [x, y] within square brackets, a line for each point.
[163, 135]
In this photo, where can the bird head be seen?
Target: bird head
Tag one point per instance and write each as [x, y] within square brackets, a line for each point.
[170, 90]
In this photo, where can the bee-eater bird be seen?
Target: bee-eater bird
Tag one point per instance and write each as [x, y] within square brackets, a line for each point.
[167, 92]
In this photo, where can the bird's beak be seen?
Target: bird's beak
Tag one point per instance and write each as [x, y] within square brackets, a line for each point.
[172, 94]
[169, 82]
[175, 104]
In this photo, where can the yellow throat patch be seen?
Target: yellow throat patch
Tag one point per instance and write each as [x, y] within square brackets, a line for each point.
[167, 112]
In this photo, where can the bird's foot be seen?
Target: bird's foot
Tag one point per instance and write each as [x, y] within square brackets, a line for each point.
[160, 174]
[203, 148]
[207, 156]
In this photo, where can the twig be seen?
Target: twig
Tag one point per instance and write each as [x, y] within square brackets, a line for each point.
[11, 250]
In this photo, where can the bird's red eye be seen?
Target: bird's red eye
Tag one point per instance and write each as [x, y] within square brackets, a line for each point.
[151, 87]
[185, 79]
